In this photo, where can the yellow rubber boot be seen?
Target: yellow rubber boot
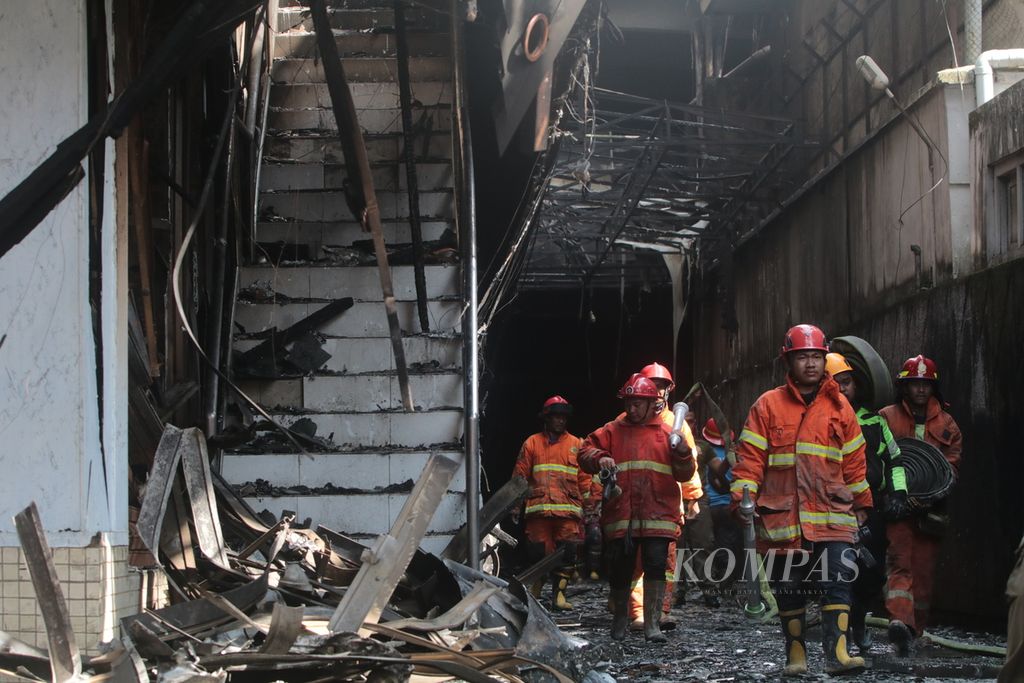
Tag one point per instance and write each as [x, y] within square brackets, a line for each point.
[835, 620]
[796, 651]
[559, 584]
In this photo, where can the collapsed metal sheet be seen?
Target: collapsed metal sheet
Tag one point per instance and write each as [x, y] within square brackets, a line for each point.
[158, 488]
[65, 663]
[195, 463]
[384, 564]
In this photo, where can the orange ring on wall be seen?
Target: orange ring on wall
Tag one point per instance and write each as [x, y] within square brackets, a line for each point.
[538, 22]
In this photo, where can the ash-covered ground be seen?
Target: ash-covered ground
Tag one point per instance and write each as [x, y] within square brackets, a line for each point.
[721, 644]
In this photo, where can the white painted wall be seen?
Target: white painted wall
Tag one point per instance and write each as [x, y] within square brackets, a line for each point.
[50, 449]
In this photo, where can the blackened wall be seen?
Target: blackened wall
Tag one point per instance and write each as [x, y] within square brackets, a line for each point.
[837, 257]
[541, 345]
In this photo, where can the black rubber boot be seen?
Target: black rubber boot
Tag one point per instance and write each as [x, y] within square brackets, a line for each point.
[796, 650]
[835, 621]
[860, 634]
[620, 613]
[654, 596]
[900, 635]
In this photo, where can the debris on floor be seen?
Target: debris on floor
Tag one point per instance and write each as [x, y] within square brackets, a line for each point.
[256, 599]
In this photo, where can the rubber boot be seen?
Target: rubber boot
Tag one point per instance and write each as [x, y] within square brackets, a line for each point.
[796, 651]
[559, 582]
[860, 635]
[654, 595]
[620, 613]
[900, 635]
[835, 620]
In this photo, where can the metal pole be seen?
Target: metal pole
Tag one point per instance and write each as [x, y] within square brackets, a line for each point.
[972, 30]
[466, 209]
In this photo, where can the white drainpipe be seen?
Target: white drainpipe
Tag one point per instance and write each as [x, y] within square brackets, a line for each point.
[984, 70]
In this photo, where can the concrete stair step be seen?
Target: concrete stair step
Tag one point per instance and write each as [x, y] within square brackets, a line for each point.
[435, 428]
[372, 121]
[344, 233]
[353, 355]
[361, 70]
[317, 147]
[363, 470]
[349, 393]
[330, 205]
[430, 177]
[364, 95]
[435, 5]
[363, 16]
[365, 319]
[362, 283]
[299, 43]
[369, 515]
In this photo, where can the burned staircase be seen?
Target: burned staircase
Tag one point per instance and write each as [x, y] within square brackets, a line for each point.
[313, 251]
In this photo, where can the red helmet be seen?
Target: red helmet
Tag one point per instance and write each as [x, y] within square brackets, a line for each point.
[713, 435]
[556, 404]
[918, 367]
[638, 386]
[658, 371]
[804, 338]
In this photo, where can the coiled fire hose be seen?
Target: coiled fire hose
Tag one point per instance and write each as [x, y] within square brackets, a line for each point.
[929, 474]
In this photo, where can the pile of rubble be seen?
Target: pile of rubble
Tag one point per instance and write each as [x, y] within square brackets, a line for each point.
[254, 599]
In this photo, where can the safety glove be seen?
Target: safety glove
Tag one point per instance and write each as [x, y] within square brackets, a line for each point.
[897, 506]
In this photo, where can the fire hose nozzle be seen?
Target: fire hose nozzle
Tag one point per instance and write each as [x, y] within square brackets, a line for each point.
[612, 489]
[679, 412]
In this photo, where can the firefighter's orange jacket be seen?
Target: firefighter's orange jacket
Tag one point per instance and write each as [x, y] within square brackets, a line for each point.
[691, 489]
[558, 487]
[650, 500]
[804, 465]
[940, 429]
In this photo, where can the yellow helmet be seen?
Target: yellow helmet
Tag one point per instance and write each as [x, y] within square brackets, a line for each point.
[836, 363]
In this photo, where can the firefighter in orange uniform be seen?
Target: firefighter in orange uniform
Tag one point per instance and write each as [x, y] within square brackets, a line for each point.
[801, 456]
[691, 492]
[554, 504]
[911, 558]
[644, 517]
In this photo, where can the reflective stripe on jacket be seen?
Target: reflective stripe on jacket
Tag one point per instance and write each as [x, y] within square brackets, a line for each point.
[940, 429]
[557, 485]
[804, 465]
[650, 500]
[692, 488]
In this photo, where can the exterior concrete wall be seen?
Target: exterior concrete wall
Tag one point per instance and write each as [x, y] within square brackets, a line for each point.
[839, 257]
[49, 412]
[98, 587]
[63, 447]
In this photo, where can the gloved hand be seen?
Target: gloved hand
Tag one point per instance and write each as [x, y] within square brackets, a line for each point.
[606, 463]
[741, 519]
[897, 506]
[692, 508]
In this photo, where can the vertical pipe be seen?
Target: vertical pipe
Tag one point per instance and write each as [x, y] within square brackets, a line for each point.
[972, 30]
[466, 209]
[220, 289]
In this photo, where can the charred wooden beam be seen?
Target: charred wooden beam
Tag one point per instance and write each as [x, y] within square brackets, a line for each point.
[362, 199]
[409, 157]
